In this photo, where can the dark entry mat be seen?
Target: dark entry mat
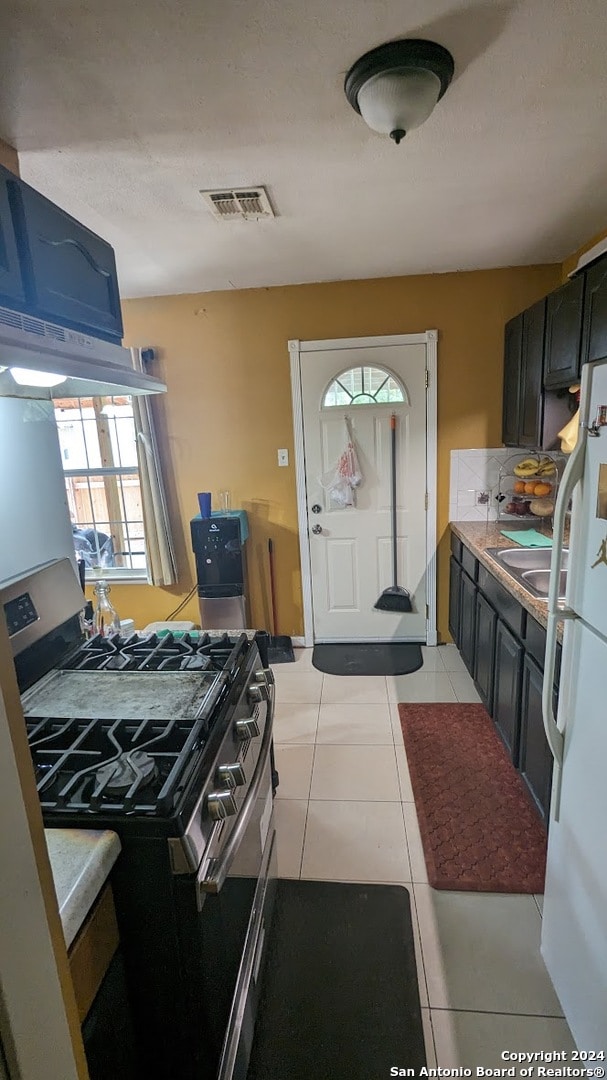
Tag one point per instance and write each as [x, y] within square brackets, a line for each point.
[339, 998]
[368, 658]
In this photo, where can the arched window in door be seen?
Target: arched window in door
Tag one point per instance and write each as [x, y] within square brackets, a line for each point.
[364, 386]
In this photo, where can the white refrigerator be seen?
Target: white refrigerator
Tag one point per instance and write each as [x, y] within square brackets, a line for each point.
[574, 927]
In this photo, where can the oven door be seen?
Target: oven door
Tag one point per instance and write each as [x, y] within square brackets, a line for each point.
[223, 947]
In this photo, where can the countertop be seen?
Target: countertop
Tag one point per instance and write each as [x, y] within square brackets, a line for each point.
[478, 536]
[81, 860]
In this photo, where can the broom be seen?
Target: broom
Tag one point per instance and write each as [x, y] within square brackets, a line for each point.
[394, 598]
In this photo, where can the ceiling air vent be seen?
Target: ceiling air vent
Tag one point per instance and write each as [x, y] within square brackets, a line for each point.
[248, 204]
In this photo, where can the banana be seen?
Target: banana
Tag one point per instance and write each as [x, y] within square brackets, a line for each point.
[527, 467]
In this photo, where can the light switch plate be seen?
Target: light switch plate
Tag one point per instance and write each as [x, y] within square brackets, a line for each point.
[283, 457]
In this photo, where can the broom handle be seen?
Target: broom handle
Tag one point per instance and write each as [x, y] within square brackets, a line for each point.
[394, 544]
[272, 594]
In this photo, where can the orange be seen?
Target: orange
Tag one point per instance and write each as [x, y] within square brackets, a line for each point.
[542, 489]
[519, 487]
[530, 487]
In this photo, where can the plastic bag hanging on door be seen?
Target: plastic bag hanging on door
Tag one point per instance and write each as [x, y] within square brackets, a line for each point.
[341, 482]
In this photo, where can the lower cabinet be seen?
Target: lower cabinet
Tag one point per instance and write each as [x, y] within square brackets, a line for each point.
[535, 762]
[467, 620]
[455, 586]
[503, 648]
[507, 688]
[484, 651]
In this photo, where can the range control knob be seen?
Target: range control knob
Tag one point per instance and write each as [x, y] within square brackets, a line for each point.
[221, 804]
[257, 694]
[261, 677]
[231, 776]
[247, 729]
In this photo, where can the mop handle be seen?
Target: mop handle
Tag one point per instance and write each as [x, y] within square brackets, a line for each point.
[394, 542]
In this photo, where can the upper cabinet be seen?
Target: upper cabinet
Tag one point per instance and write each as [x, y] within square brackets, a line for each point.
[530, 419]
[564, 334]
[11, 279]
[64, 272]
[513, 343]
[594, 334]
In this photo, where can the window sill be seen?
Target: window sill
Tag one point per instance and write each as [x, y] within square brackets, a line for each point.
[130, 577]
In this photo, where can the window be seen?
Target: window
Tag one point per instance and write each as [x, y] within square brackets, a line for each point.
[364, 386]
[99, 452]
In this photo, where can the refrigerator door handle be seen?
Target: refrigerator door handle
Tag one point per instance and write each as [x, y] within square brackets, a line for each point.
[571, 477]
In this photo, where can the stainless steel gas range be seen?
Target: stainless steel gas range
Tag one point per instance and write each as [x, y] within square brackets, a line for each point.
[167, 741]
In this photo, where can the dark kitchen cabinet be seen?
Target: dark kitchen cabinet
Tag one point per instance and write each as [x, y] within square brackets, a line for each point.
[484, 650]
[563, 334]
[594, 333]
[11, 280]
[70, 273]
[530, 413]
[467, 621]
[535, 758]
[513, 343]
[507, 687]
[455, 588]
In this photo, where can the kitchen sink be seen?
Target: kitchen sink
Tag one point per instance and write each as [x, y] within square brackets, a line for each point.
[530, 567]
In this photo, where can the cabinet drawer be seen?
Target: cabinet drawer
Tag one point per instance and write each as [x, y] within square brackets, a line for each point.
[508, 609]
[70, 273]
[93, 950]
[456, 547]
[469, 563]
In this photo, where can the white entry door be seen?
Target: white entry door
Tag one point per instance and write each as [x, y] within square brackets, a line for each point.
[350, 547]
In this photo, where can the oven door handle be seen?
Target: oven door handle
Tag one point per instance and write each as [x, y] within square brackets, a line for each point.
[215, 871]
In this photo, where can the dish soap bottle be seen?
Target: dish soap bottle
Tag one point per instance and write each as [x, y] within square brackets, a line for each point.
[106, 619]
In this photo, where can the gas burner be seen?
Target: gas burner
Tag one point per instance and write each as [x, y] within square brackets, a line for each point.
[151, 652]
[118, 777]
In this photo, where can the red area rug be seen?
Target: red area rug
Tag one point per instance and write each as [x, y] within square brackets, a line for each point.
[479, 828]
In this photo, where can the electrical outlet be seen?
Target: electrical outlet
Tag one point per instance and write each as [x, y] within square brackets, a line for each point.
[283, 457]
[482, 498]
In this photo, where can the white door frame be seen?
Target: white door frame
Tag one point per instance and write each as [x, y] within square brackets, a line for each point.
[297, 351]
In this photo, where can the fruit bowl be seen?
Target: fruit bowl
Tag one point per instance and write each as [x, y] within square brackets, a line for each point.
[528, 487]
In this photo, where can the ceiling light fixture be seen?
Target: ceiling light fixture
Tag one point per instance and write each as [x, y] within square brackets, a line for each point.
[29, 377]
[396, 86]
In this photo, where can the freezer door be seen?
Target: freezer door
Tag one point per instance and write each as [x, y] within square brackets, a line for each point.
[587, 591]
[574, 926]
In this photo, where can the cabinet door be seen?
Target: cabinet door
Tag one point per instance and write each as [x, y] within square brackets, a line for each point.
[513, 338]
[532, 374]
[563, 334]
[11, 281]
[484, 651]
[70, 272]
[507, 688]
[594, 337]
[455, 586]
[467, 622]
[535, 759]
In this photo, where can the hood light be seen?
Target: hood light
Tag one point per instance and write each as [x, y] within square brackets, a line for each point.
[27, 377]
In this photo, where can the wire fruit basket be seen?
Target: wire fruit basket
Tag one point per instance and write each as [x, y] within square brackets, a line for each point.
[528, 486]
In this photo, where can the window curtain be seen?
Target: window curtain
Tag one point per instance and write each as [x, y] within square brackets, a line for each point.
[161, 562]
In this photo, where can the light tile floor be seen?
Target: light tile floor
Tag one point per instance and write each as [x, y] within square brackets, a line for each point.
[345, 812]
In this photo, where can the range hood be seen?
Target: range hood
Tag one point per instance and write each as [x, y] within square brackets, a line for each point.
[90, 367]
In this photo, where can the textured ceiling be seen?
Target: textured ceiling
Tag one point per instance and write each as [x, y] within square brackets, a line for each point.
[123, 110]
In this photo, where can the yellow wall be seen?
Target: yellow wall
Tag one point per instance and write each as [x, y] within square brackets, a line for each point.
[571, 262]
[228, 408]
[8, 157]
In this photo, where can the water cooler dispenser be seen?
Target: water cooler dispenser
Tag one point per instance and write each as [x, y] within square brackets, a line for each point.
[217, 543]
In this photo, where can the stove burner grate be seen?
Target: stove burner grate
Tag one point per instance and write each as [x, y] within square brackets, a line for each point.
[137, 652]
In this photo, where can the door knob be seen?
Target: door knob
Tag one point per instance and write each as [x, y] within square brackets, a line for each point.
[316, 508]
[316, 529]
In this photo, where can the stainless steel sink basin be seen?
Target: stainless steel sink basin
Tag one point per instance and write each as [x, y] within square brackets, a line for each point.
[530, 567]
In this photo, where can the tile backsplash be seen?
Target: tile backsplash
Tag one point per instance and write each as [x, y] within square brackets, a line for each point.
[474, 473]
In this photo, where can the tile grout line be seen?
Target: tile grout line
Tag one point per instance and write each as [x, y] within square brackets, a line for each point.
[303, 843]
